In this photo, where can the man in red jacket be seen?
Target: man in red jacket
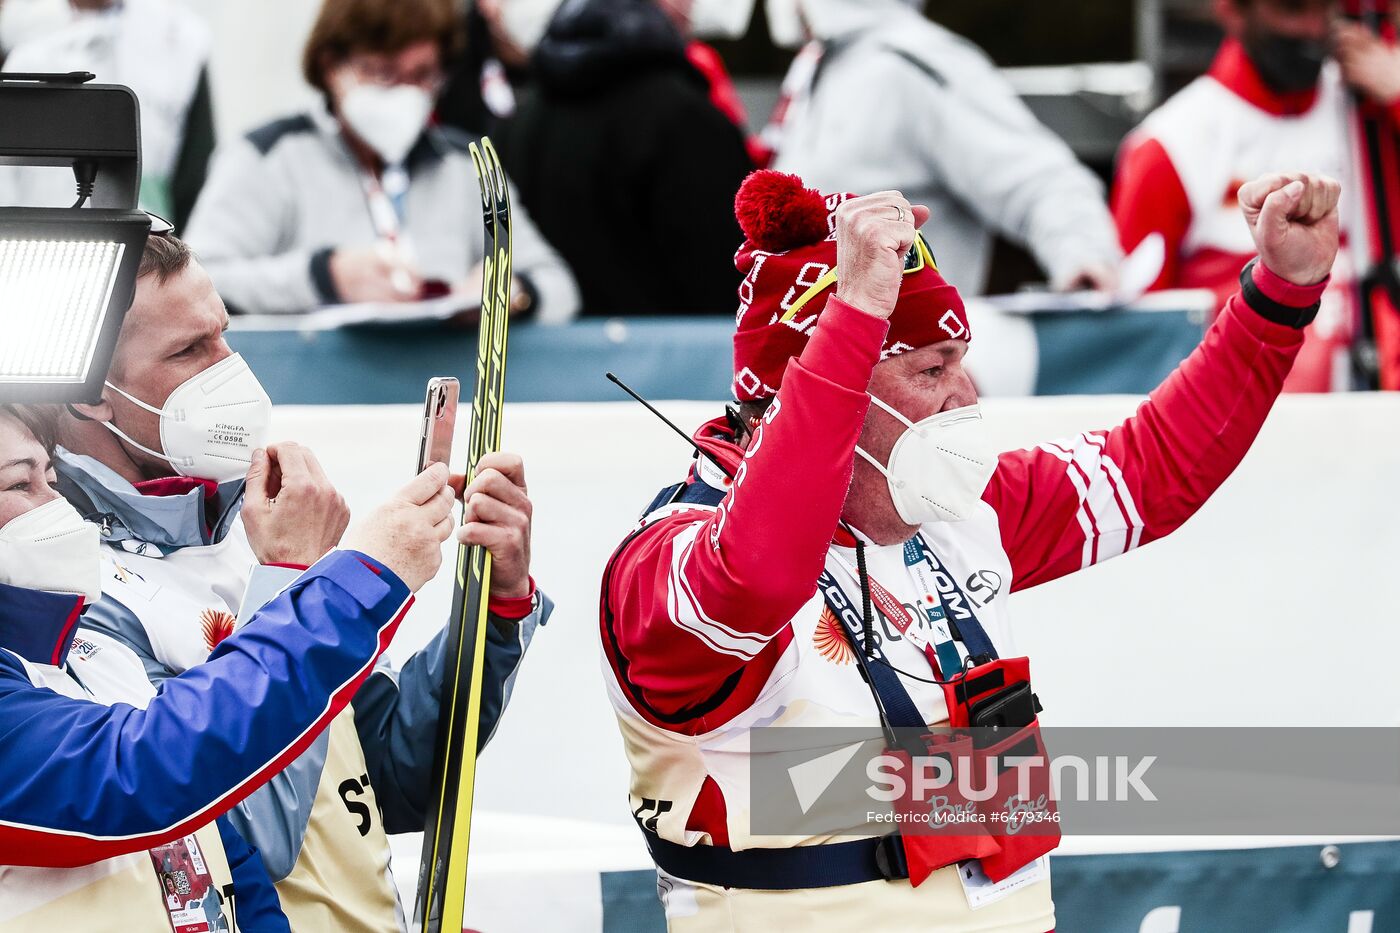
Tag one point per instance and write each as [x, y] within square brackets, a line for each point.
[1272, 99]
[857, 470]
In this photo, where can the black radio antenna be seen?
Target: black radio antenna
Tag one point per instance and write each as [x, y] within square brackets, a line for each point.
[669, 423]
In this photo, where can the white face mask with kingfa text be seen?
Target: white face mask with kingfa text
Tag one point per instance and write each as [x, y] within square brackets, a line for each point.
[939, 467]
[211, 424]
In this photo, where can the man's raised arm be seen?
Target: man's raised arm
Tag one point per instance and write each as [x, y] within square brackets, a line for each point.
[1071, 503]
[700, 594]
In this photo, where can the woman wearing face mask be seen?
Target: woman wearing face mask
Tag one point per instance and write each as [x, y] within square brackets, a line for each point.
[98, 767]
[363, 199]
[846, 544]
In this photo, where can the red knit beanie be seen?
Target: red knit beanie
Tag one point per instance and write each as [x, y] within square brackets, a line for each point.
[789, 245]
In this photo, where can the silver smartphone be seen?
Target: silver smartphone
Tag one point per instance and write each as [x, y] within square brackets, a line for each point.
[439, 421]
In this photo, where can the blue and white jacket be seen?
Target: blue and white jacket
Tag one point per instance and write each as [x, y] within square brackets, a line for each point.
[177, 568]
[97, 766]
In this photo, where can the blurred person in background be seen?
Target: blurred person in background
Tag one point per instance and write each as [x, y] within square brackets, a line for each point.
[162, 463]
[718, 19]
[364, 200]
[158, 48]
[886, 99]
[1273, 97]
[480, 88]
[620, 155]
[105, 783]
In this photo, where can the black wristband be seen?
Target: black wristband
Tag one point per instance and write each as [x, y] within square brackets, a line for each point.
[1270, 310]
[321, 278]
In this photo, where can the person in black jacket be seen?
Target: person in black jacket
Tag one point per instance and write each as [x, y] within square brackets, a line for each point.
[624, 164]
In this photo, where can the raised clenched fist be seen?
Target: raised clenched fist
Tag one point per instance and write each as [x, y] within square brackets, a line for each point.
[1293, 219]
[873, 234]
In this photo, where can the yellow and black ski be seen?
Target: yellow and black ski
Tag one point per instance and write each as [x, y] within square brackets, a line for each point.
[442, 875]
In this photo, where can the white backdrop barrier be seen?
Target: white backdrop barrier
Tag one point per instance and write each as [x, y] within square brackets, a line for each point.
[1289, 573]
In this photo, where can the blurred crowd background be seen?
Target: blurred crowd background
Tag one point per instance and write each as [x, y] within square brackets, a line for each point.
[313, 152]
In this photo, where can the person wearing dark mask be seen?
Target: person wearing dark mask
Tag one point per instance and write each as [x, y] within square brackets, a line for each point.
[620, 156]
[1274, 96]
[1286, 40]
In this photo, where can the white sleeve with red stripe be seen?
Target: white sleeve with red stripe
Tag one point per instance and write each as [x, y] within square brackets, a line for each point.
[1148, 197]
[1071, 503]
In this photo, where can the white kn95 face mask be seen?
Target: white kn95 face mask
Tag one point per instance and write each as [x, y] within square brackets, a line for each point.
[211, 424]
[388, 119]
[939, 467]
[52, 549]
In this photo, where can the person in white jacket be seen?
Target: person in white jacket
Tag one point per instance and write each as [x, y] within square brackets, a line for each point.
[885, 99]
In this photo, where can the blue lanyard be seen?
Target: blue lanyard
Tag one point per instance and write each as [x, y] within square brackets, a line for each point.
[957, 608]
[897, 708]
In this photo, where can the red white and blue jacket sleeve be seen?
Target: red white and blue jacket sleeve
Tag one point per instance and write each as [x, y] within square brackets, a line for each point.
[697, 605]
[81, 781]
[1071, 503]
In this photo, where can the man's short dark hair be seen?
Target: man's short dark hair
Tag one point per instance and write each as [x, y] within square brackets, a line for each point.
[39, 420]
[164, 257]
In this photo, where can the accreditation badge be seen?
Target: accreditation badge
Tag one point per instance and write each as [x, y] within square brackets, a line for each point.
[186, 888]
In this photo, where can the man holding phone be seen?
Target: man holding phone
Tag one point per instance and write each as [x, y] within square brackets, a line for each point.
[849, 597]
[163, 464]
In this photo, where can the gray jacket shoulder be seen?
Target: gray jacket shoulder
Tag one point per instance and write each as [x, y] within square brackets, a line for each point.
[942, 56]
[266, 137]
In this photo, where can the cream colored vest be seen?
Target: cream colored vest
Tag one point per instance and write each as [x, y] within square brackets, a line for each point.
[118, 895]
[341, 880]
[185, 602]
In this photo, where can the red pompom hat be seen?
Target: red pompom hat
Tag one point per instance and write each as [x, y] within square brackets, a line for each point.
[789, 264]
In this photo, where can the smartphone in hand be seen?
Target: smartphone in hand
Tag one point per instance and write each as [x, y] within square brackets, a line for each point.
[439, 421]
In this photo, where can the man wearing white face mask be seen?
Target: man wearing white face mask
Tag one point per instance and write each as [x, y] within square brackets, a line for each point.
[160, 464]
[110, 790]
[854, 475]
[364, 200]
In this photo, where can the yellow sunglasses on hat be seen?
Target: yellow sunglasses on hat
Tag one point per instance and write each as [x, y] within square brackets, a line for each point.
[917, 259]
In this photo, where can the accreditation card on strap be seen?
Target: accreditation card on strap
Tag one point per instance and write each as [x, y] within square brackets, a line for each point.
[186, 887]
[981, 890]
